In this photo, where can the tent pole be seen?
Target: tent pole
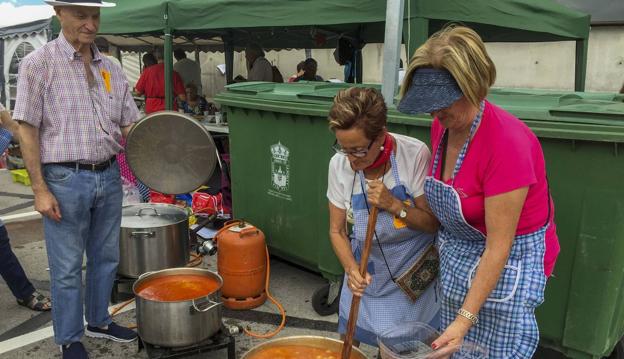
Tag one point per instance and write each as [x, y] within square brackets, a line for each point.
[3, 82]
[580, 66]
[168, 58]
[415, 33]
[357, 59]
[229, 59]
[392, 50]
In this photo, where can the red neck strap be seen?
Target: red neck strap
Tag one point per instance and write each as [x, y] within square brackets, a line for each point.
[384, 155]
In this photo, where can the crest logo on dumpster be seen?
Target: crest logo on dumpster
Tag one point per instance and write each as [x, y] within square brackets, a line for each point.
[280, 170]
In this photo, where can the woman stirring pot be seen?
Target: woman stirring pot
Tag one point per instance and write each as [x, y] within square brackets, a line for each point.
[373, 167]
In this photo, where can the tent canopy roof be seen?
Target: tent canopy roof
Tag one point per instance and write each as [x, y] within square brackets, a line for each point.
[319, 23]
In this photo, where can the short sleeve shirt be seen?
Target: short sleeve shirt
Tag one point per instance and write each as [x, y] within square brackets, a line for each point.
[504, 155]
[152, 84]
[76, 122]
[412, 157]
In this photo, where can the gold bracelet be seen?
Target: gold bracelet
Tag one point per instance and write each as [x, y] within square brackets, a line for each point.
[466, 314]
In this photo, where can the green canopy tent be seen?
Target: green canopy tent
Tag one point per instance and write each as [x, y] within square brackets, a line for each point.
[281, 24]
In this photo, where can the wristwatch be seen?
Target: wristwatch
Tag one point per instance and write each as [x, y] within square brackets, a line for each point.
[403, 213]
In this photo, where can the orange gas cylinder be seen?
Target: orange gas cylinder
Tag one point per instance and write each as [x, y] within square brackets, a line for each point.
[242, 263]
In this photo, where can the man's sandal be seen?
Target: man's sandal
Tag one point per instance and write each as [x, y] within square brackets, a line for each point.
[37, 302]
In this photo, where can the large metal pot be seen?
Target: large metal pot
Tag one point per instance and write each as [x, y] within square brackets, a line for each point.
[153, 237]
[307, 340]
[181, 323]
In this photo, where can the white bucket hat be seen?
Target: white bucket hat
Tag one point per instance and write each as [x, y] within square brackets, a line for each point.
[90, 3]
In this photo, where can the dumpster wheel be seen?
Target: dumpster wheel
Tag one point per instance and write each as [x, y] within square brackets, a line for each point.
[320, 299]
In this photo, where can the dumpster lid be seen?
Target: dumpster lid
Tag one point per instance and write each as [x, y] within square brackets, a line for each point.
[572, 107]
[302, 91]
[557, 110]
[590, 111]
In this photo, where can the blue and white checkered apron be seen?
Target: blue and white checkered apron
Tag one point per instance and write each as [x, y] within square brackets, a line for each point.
[384, 304]
[5, 140]
[507, 325]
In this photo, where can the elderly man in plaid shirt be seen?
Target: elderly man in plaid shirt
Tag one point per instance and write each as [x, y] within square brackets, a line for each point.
[74, 105]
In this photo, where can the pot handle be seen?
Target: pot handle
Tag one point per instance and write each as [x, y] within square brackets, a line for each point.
[149, 234]
[249, 231]
[147, 208]
[144, 275]
[212, 305]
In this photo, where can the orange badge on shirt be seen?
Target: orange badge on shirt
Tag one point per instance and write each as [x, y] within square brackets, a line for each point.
[107, 80]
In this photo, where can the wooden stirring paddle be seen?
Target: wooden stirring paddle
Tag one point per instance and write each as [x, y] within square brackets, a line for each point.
[355, 301]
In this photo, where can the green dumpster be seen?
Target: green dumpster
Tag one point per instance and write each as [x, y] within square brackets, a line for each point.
[280, 148]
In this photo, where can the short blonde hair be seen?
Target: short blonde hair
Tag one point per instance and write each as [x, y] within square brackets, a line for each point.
[460, 51]
[358, 107]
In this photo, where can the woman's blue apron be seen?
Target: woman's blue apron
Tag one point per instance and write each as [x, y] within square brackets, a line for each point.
[507, 325]
[384, 304]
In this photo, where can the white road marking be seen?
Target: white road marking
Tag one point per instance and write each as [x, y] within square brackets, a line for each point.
[21, 217]
[44, 333]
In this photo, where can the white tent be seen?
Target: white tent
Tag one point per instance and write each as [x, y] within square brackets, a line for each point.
[13, 14]
[22, 30]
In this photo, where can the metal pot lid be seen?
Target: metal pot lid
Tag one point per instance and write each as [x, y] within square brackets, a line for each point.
[149, 215]
[171, 152]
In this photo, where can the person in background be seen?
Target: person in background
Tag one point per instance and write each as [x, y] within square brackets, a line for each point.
[310, 67]
[10, 268]
[299, 72]
[104, 46]
[258, 67]
[189, 70]
[345, 55]
[401, 73]
[487, 186]
[148, 60]
[194, 104]
[74, 106]
[152, 85]
[373, 167]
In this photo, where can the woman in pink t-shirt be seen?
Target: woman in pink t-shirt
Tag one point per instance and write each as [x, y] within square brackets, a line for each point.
[487, 186]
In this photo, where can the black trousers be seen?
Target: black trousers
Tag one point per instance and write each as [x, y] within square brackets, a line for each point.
[11, 270]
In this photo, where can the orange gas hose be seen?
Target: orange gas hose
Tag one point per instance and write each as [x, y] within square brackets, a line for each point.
[277, 304]
[120, 307]
[195, 261]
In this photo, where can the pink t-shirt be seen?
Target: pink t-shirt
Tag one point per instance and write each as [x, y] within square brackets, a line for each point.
[503, 155]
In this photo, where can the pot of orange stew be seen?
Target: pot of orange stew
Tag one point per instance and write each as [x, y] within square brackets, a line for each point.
[179, 306]
[301, 347]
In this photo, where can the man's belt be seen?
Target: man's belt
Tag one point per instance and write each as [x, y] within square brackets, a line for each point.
[97, 167]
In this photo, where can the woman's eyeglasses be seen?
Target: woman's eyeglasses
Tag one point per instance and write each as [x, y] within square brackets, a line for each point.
[357, 152]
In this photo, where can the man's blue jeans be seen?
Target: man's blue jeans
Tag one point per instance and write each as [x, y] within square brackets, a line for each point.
[90, 204]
